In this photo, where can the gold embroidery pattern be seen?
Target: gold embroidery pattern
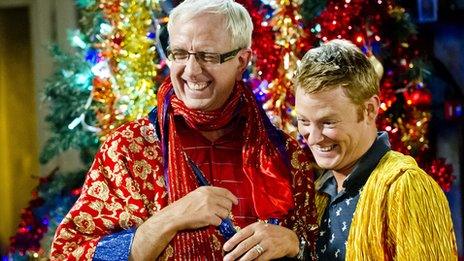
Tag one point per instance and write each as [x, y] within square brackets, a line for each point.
[99, 190]
[168, 252]
[112, 151]
[127, 133]
[135, 148]
[216, 244]
[84, 223]
[133, 188]
[149, 134]
[96, 205]
[141, 169]
[150, 153]
[70, 247]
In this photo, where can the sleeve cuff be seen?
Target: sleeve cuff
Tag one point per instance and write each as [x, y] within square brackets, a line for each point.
[115, 246]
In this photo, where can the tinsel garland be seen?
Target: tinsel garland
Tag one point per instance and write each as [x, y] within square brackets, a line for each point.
[129, 91]
[278, 43]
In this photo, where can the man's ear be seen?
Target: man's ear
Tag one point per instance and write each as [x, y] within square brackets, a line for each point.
[372, 106]
[244, 57]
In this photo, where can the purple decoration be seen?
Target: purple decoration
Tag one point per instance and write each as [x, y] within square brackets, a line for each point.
[45, 222]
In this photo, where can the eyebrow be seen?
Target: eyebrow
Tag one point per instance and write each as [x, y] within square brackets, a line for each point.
[323, 118]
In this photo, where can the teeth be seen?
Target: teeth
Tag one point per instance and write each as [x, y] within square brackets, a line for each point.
[325, 149]
[197, 85]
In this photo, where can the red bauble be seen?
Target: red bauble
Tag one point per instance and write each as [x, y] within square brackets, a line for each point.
[442, 173]
[387, 97]
[418, 97]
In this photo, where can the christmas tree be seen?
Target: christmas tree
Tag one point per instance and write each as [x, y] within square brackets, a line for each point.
[119, 62]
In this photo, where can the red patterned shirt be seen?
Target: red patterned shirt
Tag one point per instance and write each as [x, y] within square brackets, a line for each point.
[221, 164]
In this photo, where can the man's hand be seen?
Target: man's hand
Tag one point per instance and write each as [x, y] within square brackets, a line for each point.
[261, 241]
[202, 207]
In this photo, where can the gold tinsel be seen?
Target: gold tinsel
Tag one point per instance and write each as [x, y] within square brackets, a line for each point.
[132, 54]
[279, 106]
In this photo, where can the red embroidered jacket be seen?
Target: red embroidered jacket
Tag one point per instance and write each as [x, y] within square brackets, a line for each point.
[125, 186]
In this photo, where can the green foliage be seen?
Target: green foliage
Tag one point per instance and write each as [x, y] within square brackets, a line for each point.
[400, 27]
[67, 92]
[312, 8]
[84, 3]
[421, 70]
[90, 19]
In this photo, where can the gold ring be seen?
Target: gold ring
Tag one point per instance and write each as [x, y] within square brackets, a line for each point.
[259, 249]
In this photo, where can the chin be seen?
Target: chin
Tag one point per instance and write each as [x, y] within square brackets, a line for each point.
[198, 105]
[194, 106]
[326, 164]
[323, 165]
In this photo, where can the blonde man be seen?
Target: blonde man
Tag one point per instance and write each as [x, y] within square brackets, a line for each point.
[373, 203]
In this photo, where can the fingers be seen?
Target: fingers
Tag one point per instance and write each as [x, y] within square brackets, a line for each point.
[220, 201]
[202, 207]
[225, 193]
[224, 203]
[261, 241]
[267, 255]
[246, 249]
[214, 220]
[217, 195]
[256, 252]
[221, 212]
[238, 237]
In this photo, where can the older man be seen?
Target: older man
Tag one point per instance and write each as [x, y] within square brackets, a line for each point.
[374, 203]
[177, 184]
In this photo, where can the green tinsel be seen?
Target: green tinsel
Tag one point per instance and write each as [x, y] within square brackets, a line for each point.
[84, 3]
[67, 97]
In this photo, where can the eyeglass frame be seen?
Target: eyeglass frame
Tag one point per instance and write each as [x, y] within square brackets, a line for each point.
[223, 57]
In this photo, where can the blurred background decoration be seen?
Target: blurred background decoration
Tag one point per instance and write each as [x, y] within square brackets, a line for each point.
[115, 61]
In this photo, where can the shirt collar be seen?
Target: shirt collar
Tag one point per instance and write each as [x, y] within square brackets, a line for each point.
[363, 168]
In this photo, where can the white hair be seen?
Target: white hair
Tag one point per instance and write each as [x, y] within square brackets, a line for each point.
[237, 19]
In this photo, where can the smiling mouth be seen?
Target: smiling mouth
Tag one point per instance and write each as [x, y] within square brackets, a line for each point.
[325, 149]
[197, 86]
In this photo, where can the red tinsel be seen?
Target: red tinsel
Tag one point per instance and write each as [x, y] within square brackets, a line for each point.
[30, 229]
[418, 97]
[266, 52]
[440, 171]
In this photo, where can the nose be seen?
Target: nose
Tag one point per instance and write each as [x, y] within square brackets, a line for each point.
[192, 67]
[314, 135]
